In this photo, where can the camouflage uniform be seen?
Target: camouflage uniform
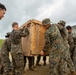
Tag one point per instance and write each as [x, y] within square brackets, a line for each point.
[71, 44]
[16, 50]
[64, 34]
[74, 53]
[5, 56]
[53, 39]
[1, 67]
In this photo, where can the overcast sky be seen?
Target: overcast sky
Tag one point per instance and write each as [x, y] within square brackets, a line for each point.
[23, 10]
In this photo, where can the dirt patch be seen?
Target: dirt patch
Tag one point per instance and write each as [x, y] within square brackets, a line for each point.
[39, 70]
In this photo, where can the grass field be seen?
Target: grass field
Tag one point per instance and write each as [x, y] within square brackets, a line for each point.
[1, 42]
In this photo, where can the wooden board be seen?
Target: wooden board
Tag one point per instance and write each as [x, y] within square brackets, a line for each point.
[34, 43]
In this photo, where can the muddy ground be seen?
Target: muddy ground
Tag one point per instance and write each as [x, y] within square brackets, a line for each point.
[38, 70]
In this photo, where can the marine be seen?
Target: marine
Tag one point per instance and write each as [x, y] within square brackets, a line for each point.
[54, 41]
[16, 48]
[2, 13]
[64, 33]
[70, 40]
[5, 55]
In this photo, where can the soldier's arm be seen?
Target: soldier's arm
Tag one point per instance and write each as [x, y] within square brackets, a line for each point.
[64, 32]
[74, 41]
[24, 33]
[47, 43]
[71, 42]
[60, 27]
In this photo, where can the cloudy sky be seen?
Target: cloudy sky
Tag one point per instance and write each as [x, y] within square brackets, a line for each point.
[23, 10]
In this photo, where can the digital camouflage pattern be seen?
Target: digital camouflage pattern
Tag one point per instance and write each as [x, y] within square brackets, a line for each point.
[71, 41]
[53, 39]
[5, 56]
[74, 53]
[16, 50]
[62, 22]
[16, 35]
[46, 21]
[63, 31]
[17, 59]
[68, 59]
[1, 67]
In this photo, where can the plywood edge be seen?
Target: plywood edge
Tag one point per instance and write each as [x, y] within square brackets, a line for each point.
[27, 23]
[32, 21]
[36, 21]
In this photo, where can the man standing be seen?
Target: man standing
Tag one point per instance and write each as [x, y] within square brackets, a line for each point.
[72, 43]
[54, 41]
[64, 34]
[70, 40]
[16, 48]
[2, 12]
[6, 47]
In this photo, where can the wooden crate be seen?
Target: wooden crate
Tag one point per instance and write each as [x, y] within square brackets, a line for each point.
[34, 43]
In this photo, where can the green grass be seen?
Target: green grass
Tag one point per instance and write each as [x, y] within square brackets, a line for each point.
[1, 42]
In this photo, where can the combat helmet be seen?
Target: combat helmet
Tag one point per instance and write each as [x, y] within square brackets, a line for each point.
[46, 21]
[62, 22]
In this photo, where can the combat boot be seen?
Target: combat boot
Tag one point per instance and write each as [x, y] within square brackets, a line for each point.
[44, 63]
[31, 69]
[38, 65]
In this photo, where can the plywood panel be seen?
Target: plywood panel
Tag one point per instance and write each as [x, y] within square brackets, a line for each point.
[34, 43]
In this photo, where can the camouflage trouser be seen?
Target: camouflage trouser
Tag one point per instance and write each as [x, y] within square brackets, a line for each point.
[6, 69]
[69, 61]
[74, 58]
[18, 63]
[57, 64]
[6, 64]
[1, 68]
